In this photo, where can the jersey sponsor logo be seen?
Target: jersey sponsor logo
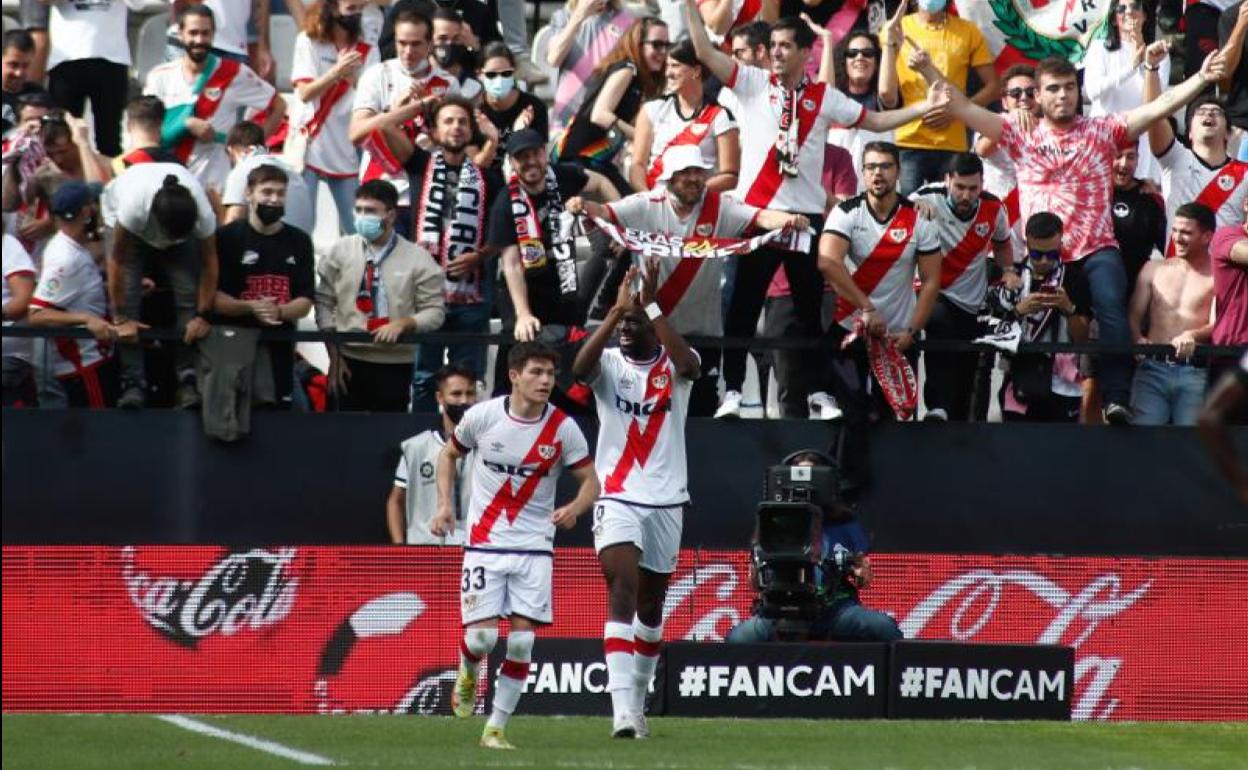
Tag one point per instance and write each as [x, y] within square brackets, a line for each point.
[641, 410]
[519, 471]
[250, 257]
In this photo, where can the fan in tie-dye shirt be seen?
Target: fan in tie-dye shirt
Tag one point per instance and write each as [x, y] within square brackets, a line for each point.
[1068, 171]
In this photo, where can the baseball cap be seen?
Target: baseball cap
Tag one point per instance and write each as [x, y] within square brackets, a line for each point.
[71, 196]
[525, 139]
[681, 157]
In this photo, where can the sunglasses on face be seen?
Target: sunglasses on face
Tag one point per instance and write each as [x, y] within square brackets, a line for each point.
[864, 53]
[659, 45]
[1037, 254]
[1125, 7]
[1019, 93]
[499, 74]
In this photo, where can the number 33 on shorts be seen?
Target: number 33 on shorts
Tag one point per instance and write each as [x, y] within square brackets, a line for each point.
[474, 579]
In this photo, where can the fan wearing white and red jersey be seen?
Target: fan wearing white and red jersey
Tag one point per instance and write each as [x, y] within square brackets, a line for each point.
[970, 223]
[642, 389]
[521, 443]
[782, 152]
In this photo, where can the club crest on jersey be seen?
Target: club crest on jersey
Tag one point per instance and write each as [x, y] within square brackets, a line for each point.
[546, 451]
[659, 381]
[981, 229]
[698, 128]
[212, 94]
[704, 230]
[898, 234]
[1226, 182]
[808, 105]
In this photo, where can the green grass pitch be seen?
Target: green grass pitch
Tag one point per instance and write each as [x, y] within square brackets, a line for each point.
[135, 742]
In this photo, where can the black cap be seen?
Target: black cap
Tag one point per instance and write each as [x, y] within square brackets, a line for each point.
[71, 196]
[524, 139]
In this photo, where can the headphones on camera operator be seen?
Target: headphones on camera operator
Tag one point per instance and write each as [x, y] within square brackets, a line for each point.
[807, 541]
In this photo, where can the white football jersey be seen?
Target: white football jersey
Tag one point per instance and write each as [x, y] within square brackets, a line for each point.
[1001, 180]
[672, 129]
[882, 256]
[71, 282]
[417, 473]
[514, 468]
[966, 243]
[642, 410]
[330, 153]
[1186, 178]
[761, 100]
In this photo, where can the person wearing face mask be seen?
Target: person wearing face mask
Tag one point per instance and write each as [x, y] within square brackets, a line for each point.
[71, 293]
[413, 499]
[508, 107]
[330, 53]
[379, 282]
[203, 95]
[956, 47]
[247, 151]
[970, 222]
[409, 74]
[451, 53]
[266, 271]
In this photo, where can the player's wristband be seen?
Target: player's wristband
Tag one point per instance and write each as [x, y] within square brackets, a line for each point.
[1152, 67]
[653, 311]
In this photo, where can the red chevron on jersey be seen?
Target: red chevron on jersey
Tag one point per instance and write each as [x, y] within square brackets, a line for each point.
[692, 134]
[545, 452]
[882, 258]
[972, 244]
[640, 443]
[1218, 191]
[767, 183]
[1012, 212]
[682, 276]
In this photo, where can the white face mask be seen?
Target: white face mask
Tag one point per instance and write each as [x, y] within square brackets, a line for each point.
[498, 88]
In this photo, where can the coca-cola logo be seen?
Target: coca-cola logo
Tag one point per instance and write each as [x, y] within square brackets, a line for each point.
[240, 591]
[975, 597]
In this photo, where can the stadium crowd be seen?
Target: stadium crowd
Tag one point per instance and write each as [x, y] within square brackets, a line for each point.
[473, 179]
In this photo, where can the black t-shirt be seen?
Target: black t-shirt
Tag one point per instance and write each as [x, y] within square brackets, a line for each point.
[478, 15]
[549, 303]
[1139, 226]
[1237, 99]
[253, 265]
[504, 119]
[8, 115]
[585, 137]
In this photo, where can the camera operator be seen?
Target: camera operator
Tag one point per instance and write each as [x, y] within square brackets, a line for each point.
[847, 570]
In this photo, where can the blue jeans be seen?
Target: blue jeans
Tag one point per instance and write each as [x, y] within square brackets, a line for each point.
[1166, 393]
[922, 166]
[1107, 279]
[844, 621]
[459, 318]
[343, 192]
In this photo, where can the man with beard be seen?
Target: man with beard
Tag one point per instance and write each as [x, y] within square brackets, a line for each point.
[1065, 167]
[539, 256]
[782, 154]
[413, 499]
[451, 196]
[408, 75]
[1202, 172]
[1173, 305]
[1139, 216]
[689, 291]
[203, 95]
[970, 222]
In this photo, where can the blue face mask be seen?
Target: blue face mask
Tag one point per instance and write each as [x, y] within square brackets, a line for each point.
[498, 88]
[932, 6]
[370, 226]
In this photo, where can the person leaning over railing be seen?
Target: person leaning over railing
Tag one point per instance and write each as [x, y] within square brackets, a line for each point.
[377, 281]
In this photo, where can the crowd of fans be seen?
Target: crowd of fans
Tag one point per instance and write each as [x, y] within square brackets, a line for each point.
[1062, 204]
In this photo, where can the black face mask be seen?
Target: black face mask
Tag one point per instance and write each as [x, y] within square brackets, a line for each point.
[268, 213]
[455, 412]
[350, 23]
[450, 54]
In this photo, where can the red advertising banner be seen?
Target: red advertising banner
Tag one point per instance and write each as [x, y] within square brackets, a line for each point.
[327, 629]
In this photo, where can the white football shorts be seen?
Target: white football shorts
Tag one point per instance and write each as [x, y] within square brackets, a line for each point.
[499, 584]
[656, 531]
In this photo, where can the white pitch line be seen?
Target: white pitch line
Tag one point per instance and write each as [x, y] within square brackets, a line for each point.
[259, 744]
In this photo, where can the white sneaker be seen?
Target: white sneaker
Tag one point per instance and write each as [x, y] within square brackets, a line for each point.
[731, 405]
[823, 407]
[643, 727]
[624, 726]
[936, 415]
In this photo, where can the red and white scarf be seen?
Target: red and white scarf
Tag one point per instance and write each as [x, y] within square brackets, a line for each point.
[463, 233]
[533, 252]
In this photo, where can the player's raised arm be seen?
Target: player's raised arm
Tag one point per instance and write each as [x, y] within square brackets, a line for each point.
[565, 516]
[585, 366]
[443, 523]
[688, 365]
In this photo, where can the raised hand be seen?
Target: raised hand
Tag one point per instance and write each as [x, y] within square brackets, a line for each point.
[650, 281]
[1213, 69]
